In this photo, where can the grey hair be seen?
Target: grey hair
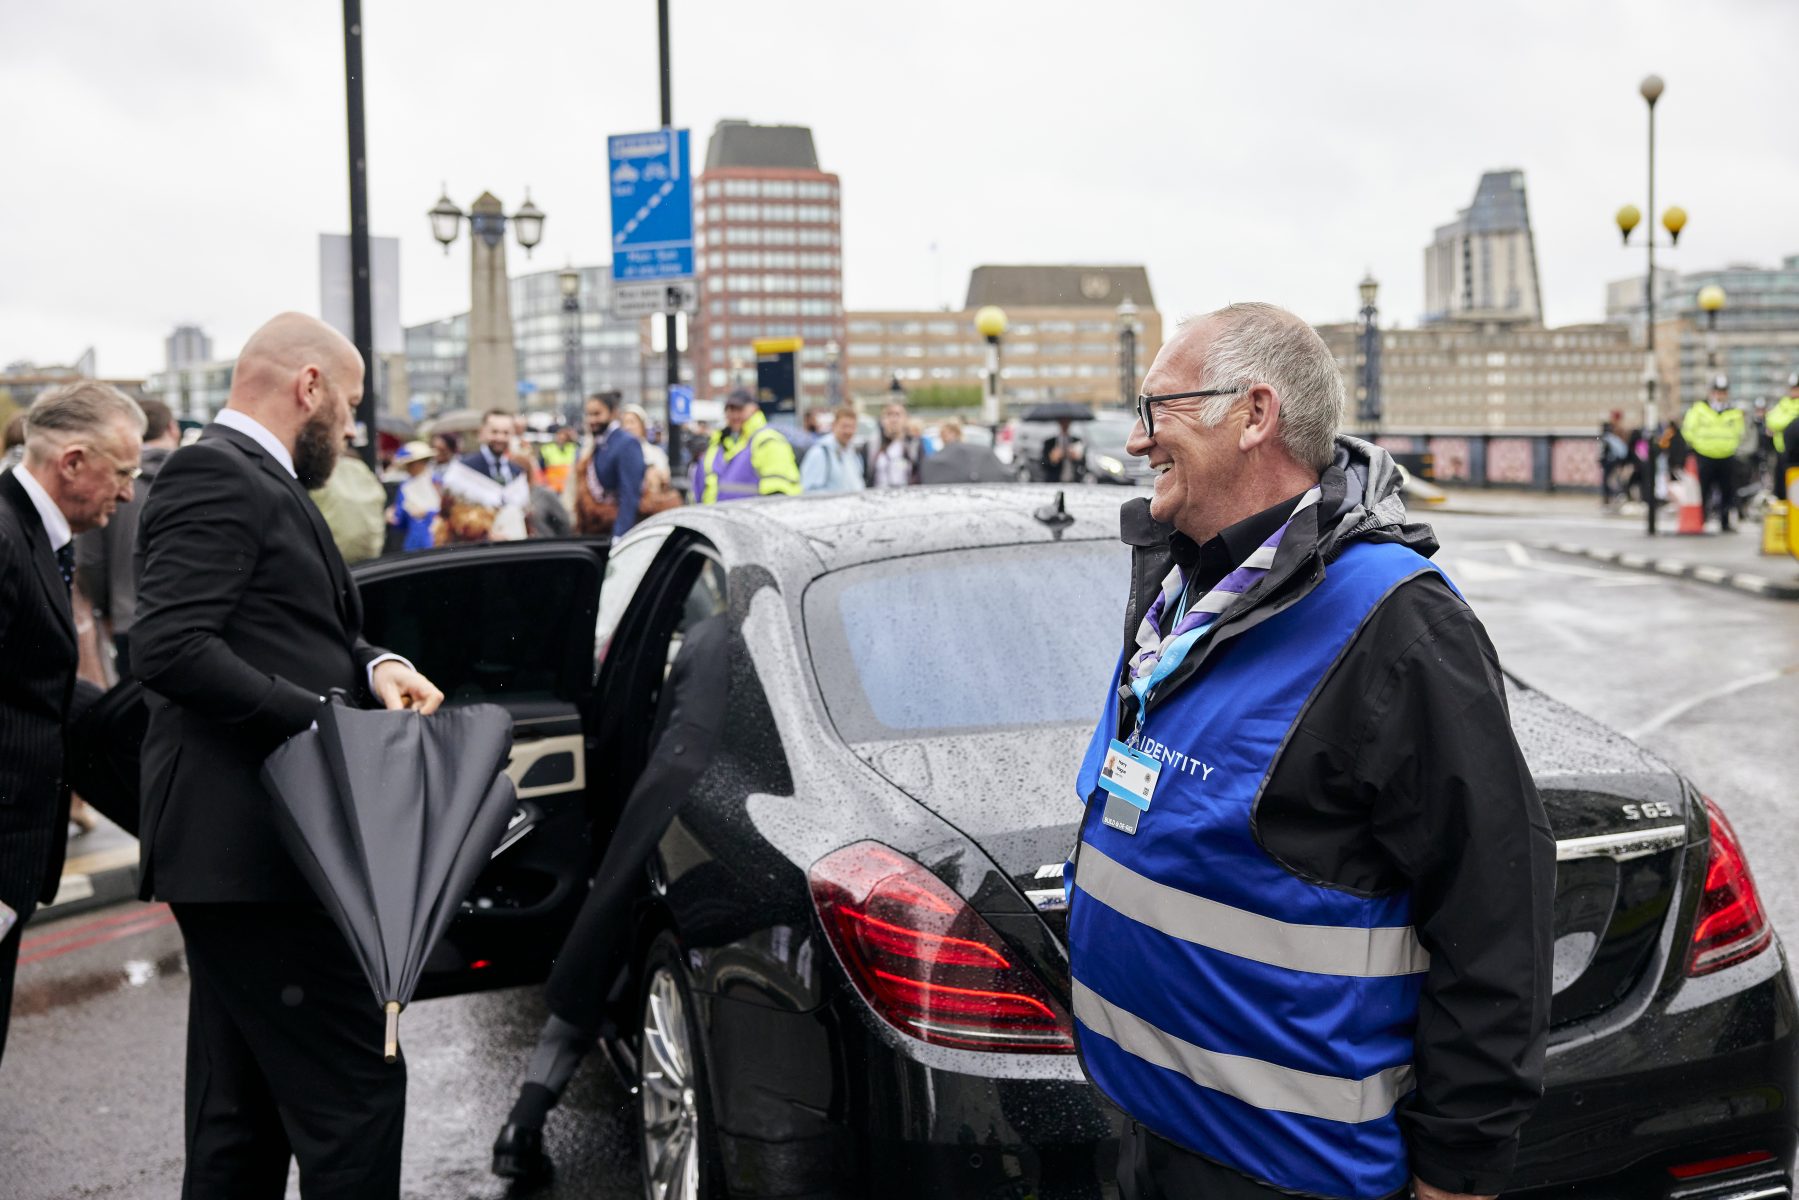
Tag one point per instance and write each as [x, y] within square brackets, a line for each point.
[75, 410]
[1265, 344]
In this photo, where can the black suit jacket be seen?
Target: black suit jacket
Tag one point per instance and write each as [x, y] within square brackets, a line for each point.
[477, 461]
[37, 678]
[247, 618]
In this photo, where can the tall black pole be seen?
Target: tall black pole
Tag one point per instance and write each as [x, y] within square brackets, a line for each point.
[673, 353]
[1651, 417]
[363, 319]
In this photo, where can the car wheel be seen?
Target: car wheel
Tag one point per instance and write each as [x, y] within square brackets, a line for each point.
[675, 1117]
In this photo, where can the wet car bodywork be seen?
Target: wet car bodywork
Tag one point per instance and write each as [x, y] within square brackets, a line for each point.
[809, 1091]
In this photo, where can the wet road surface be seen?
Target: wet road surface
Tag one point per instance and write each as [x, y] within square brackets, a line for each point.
[90, 1093]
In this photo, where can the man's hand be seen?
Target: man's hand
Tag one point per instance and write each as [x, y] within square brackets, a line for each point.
[399, 686]
[1424, 1191]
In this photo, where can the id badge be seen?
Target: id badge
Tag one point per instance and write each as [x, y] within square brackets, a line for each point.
[1129, 778]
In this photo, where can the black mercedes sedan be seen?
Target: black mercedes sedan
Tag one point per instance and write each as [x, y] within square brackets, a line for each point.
[851, 977]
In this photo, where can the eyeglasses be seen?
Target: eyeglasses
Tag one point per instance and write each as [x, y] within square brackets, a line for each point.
[1146, 414]
[124, 474]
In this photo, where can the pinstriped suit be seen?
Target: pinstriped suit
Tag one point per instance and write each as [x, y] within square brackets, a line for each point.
[38, 650]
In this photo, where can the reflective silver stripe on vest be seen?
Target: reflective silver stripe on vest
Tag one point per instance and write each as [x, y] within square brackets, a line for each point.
[1315, 949]
[1261, 1084]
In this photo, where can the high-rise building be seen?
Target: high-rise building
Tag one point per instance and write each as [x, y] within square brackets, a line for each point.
[768, 249]
[187, 345]
[1062, 339]
[1757, 343]
[1482, 266]
[611, 356]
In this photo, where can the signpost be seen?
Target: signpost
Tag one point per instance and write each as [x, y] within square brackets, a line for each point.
[680, 407]
[652, 205]
[656, 296]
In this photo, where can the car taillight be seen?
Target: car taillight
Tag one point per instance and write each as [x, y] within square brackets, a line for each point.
[926, 961]
[1731, 924]
[1712, 1166]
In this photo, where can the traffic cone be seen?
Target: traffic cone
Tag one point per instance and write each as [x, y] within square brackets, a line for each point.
[1692, 500]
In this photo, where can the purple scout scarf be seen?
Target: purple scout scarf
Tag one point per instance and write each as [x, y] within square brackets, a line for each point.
[1160, 653]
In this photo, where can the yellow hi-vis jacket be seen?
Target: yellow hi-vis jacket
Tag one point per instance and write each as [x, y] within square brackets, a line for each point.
[558, 460]
[1712, 434]
[1779, 418]
[721, 474]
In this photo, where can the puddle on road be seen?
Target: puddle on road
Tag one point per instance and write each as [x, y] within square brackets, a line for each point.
[44, 995]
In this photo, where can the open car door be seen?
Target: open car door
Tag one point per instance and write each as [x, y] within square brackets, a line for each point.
[511, 624]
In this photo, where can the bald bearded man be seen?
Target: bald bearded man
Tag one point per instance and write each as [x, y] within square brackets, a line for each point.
[247, 619]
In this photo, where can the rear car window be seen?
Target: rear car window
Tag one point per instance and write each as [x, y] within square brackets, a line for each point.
[969, 640]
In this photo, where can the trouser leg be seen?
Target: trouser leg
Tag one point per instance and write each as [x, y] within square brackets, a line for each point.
[1153, 1168]
[24, 850]
[289, 986]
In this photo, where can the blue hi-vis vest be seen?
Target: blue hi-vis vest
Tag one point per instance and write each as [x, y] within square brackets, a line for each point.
[1220, 1000]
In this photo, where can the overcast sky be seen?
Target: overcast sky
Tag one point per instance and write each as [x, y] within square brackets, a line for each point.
[175, 161]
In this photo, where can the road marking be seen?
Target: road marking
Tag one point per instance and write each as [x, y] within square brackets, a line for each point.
[1518, 554]
[1675, 712]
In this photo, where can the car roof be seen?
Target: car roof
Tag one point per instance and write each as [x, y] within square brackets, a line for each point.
[844, 529]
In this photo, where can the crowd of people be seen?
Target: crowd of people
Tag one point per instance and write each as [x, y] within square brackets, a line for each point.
[1736, 453]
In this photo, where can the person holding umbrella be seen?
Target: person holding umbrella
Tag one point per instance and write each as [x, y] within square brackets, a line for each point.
[247, 621]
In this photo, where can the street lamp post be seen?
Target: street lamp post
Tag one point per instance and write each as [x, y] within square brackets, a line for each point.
[990, 323]
[1673, 220]
[527, 223]
[569, 281]
[1711, 301]
[1127, 353]
[1368, 406]
[362, 313]
[492, 357]
[833, 360]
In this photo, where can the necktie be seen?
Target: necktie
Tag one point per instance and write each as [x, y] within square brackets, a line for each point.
[65, 562]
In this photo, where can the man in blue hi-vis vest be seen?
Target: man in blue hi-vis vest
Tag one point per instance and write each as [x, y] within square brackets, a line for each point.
[1310, 906]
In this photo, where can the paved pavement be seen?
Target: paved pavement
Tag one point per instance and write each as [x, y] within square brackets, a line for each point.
[1575, 525]
[1706, 677]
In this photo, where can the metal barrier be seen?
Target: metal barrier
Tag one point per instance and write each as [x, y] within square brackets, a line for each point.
[1532, 461]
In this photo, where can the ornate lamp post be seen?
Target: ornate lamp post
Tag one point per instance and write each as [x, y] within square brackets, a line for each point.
[1711, 300]
[1368, 408]
[990, 323]
[833, 361]
[569, 281]
[492, 360]
[1127, 353]
[1673, 220]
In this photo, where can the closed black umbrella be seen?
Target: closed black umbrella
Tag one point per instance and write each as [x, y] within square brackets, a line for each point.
[391, 816]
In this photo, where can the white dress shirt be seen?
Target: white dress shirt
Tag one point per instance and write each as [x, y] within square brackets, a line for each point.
[255, 430]
[56, 526]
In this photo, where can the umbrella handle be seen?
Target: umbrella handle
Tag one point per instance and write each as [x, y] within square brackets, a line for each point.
[391, 1051]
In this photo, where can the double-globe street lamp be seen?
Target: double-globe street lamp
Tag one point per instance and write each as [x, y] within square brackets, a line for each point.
[488, 221]
[1368, 407]
[990, 323]
[1674, 220]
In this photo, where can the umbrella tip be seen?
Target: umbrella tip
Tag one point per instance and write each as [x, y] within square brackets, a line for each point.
[391, 1050]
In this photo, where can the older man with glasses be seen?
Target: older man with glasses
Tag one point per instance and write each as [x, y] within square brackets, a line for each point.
[1310, 904]
[81, 451]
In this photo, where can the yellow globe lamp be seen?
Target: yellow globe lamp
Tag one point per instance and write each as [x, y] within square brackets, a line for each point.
[1674, 220]
[1628, 218]
[990, 321]
[1711, 297]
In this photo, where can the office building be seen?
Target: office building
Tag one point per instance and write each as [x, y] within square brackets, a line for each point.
[1757, 342]
[1493, 375]
[610, 350]
[768, 252]
[1482, 266]
[187, 344]
[195, 390]
[1062, 340]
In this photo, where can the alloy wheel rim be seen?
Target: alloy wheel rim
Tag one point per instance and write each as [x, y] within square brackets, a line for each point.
[671, 1128]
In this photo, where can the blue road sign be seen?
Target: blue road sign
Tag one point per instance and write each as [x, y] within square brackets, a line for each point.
[652, 205]
[680, 404]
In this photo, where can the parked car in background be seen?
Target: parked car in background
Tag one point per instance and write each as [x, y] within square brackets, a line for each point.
[883, 826]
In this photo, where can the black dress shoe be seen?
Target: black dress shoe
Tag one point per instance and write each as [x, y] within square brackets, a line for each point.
[518, 1155]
